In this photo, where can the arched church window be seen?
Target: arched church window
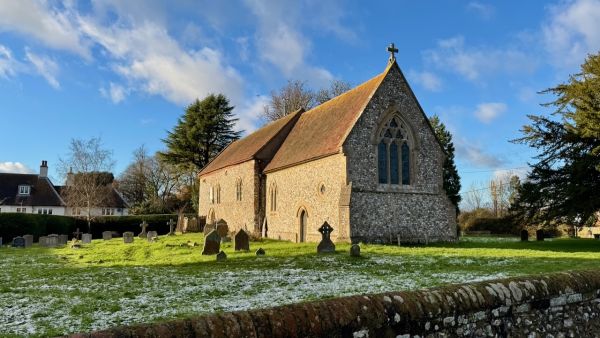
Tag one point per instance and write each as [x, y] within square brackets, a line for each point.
[238, 189]
[393, 153]
[273, 197]
[218, 193]
[211, 195]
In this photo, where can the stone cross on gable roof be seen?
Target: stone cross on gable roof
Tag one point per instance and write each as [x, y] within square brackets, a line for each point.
[393, 50]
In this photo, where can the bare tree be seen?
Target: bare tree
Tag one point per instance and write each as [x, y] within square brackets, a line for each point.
[87, 170]
[336, 88]
[290, 98]
[474, 197]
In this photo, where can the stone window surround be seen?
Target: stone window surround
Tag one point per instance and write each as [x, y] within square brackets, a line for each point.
[273, 197]
[238, 189]
[394, 111]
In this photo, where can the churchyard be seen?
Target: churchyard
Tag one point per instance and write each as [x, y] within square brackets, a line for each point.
[53, 291]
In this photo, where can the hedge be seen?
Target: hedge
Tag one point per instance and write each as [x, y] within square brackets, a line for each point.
[18, 224]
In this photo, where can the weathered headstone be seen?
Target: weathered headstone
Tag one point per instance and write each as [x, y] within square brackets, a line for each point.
[326, 245]
[242, 241]
[128, 237]
[143, 234]
[192, 225]
[221, 256]
[75, 244]
[260, 252]
[0, 242]
[86, 238]
[106, 235]
[28, 240]
[355, 250]
[208, 228]
[212, 243]
[18, 242]
[171, 225]
[524, 235]
[222, 228]
[42, 241]
[77, 234]
[52, 240]
[152, 236]
[539, 235]
[63, 239]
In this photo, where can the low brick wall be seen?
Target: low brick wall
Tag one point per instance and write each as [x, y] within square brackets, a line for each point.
[557, 305]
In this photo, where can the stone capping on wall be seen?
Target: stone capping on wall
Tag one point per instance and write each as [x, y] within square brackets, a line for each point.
[565, 302]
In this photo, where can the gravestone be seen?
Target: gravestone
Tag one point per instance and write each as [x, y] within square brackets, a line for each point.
[180, 224]
[208, 228]
[171, 225]
[52, 241]
[222, 228]
[524, 235]
[221, 256]
[143, 234]
[539, 235]
[355, 250]
[0, 242]
[128, 237]
[242, 241]
[326, 245]
[106, 235]
[260, 252]
[75, 244]
[42, 241]
[77, 234]
[63, 239]
[18, 242]
[28, 240]
[86, 238]
[152, 236]
[192, 225]
[212, 243]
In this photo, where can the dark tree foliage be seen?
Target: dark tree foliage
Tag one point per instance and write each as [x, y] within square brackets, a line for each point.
[205, 129]
[563, 185]
[451, 177]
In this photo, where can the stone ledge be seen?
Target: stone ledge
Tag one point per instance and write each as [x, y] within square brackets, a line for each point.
[515, 305]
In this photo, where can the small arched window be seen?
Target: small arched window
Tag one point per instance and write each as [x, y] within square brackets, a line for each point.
[218, 193]
[211, 195]
[393, 153]
[238, 189]
[273, 197]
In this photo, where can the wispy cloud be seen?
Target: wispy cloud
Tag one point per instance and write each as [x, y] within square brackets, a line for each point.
[8, 65]
[487, 112]
[474, 155]
[115, 92]
[44, 66]
[427, 80]
[483, 10]
[14, 167]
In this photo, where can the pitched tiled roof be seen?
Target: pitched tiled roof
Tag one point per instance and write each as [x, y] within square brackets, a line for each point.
[248, 147]
[322, 130]
[111, 200]
[42, 192]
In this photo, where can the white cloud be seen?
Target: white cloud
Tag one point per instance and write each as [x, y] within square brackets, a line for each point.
[572, 31]
[484, 11]
[8, 65]
[473, 154]
[487, 112]
[50, 26]
[505, 174]
[250, 115]
[452, 55]
[44, 66]
[14, 167]
[427, 80]
[115, 92]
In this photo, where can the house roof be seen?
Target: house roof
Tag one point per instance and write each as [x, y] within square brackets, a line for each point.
[112, 200]
[322, 130]
[248, 147]
[42, 192]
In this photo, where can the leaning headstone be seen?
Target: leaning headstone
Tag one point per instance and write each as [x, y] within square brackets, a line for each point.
[143, 234]
[242, 241]
[222, 228]
[212, 243]
[524, 235]
[221, 256]
[171, 225]
[539, 235]
[260, 252]
[355, 250]
[326, 245]
[128, 237]
[52, 241]
[152, 236]
[86, 238]
[106, 235]
[28, 240]
[18, 242]
[63, 239]
[208, 228]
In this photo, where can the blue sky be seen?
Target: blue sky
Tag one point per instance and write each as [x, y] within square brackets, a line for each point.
[125, 70]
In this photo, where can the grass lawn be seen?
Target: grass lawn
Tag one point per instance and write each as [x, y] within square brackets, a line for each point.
[57, 291]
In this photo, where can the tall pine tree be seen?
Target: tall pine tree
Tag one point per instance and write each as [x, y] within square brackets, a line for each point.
[451, 177]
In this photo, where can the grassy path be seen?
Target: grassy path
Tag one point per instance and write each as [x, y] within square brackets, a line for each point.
[56, 291]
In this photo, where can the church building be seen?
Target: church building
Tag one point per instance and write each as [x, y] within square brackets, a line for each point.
[367, 162]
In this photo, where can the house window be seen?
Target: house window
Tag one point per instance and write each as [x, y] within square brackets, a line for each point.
[238, 189]
[22, 210]
[76, 211]
[393, 153]
[273, 197]
[24, 190]
[49, 211]
[108, 211]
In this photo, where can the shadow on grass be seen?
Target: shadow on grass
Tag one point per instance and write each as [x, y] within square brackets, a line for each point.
[552, 244]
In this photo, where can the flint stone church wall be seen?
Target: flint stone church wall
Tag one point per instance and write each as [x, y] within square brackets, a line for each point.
[379, 212]
[558, 305]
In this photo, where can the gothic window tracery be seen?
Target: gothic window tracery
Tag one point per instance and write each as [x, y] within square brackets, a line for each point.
[393, 153]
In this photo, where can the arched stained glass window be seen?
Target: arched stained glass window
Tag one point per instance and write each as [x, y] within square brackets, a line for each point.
[393, 153]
